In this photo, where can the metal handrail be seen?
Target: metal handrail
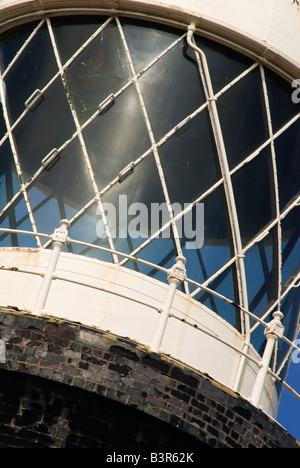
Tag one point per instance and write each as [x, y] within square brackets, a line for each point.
[61, 239]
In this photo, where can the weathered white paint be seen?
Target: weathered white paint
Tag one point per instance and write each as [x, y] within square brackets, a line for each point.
[126, 303]
[267, 29]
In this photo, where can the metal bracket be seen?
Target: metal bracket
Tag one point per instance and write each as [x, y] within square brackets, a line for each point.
[33, 101]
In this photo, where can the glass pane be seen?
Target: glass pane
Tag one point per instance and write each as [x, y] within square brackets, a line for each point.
[290, 245]
[85, 229]
[12, 41]
[117, 137]
[51, 193]
[243, 118]
[280, 98]
[9, 181]
[261, 265]
[48, 127]
[16, 217]
[171, 90]
[222, 285]
[224, 64]
[205, 260]
[254, 195]
[189, 160]
[32, 71]
[290, 310]
[288, 167]
[132, 204]
[101, 69]
[72, 32]
[161, 251]
[147, 40]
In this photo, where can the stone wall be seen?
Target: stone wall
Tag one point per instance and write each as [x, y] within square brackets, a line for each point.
[65, 385]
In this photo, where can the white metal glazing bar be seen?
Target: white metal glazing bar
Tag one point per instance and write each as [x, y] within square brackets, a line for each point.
[82, 142]
[16, 159]
[152, 140]
[275, 181]
[235, 231]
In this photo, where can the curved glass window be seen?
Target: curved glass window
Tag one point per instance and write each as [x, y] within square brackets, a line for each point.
[105, 121]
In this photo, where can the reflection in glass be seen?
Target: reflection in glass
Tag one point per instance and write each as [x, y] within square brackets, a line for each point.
[161, 251]
[44, 129]
[216, 250]
[291, 312]
[85, 229]
[181, 167]
[117, 137]
[101, 69]
[146, 41]
[16, 217]
[34, 68]
[133, 201]
[261, 265]
[224, 285]
[171, 89]
[51, 194]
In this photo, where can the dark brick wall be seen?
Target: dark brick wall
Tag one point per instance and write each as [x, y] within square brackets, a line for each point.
[65, 385]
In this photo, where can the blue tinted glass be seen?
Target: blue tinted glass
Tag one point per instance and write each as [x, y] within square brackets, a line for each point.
[205, 239]
[224, 286]
[133, 201]
[287, 159]
[51, 193]
[160, 251]
[290, 310]
[16, 217]
[290, 245]
[254, 195]
[85, 229]
[261, 265]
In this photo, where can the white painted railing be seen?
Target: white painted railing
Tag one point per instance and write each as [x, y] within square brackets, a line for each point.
[274, 330]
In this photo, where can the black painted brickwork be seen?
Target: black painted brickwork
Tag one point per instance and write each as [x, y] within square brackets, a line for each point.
[65, 385]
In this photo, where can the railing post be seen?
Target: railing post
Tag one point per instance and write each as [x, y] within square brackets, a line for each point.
[273, 332]
[175, 276]
[59, 241]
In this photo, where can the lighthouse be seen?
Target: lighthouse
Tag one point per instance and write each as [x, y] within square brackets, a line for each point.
[149, 222]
